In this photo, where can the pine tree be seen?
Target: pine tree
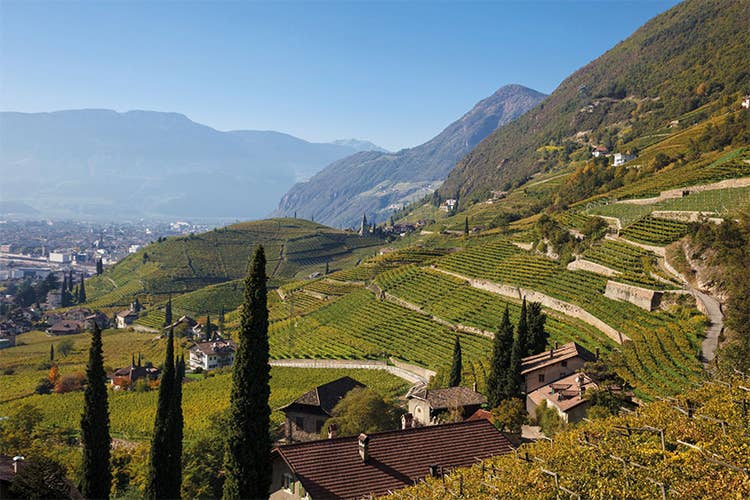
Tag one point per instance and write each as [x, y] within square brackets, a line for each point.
[168, 312]
[457, 365]
[537, 340]
[161, 482]
[96, 478]
[82, 292]
[501, 350]
[247, 463]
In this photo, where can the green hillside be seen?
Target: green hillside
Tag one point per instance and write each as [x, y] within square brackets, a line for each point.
[294, 247]
[690, 56]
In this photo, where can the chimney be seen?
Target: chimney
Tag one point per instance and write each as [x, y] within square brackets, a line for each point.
[16, 461]
[596, 353]
[407, 421]
[364, 447]
[556, 345]
[551, 353]
[333, 431]
[434, 470]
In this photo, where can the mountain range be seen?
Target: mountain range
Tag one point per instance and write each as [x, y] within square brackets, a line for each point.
[377, 183]
[101, 163]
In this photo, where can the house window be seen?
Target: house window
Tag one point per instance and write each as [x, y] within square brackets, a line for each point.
[541, 377]
[287, 482]
[299, 422]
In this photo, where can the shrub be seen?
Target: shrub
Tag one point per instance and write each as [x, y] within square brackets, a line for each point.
[44, 387]
[9, 371]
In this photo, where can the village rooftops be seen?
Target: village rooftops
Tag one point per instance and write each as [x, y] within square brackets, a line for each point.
[566, 393]
[324, 397]
[127, 313]
[215, 347]
[563, 353]
[450, 397]
[358, 467]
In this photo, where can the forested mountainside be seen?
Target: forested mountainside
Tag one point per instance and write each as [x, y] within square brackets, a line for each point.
[376, 183]
[693, 54]
[100, 163]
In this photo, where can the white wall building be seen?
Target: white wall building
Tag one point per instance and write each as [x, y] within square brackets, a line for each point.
[212, 355]
[59, 257]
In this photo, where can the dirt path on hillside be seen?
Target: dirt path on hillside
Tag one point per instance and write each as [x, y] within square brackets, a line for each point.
[400, 372]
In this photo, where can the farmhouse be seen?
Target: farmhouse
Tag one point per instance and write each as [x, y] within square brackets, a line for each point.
[541, 369]
[599, 151]
[65, 327]
[372, 465]
[622, 159]
[125, 378]
[126, 317]
[306, 415]
[427, 405]
[211, 355]
[565, 395]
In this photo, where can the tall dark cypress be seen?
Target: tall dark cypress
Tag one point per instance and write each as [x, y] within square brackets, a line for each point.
[501, 350]
[176, 421]
[168, 312]
[515, 386]
[247, 462]
[537, 340]
[161, 480]
[522, 330]
[97, 474]
[208, 328]
[51, 353]
[466, 226]
[457, 365]
[64, 293]
[82, 292]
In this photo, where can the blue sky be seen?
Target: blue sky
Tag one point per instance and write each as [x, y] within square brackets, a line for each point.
[395, 73]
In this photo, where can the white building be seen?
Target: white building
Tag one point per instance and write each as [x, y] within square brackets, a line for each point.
[59, 257]
[134, 248]
[622, 158]
[449, 205]
[212, 355]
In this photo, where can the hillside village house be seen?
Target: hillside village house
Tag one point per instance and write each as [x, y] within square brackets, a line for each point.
[372, 465]
[541, 369]
[426, 405]
[622, 159]
[306, 415]
[599, 151]
[65, 327]
[125, 378]
[126, 318]
[212, 355]
[566, 396]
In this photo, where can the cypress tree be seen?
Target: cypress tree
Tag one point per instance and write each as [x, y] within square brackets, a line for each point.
[51, 353]
[96, 479]
[99, 267]
[176, 421]
[523, 329]
[457, 365]
[64, 294]
[515, 381]
[501, 351]
[537, 340]
[221, 319]
[161, 481]
[82, 292]
[466, 226]
[168, 312]
[71, 281]
[247, 463]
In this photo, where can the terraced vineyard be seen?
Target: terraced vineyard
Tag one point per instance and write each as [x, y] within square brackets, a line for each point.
[360, 325]
[632, 262]
[454, 300]
[653, 231]
[650, 370]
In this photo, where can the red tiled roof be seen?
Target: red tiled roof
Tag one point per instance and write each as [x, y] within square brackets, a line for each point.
[480, 414]
[332, 468]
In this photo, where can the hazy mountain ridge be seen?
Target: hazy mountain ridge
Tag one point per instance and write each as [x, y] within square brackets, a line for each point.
[101, 162]
[374, 183]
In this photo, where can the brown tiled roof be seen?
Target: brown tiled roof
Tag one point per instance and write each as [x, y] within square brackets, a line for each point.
[332, 468]
[66, 325]
[126, 313]
[450, 397]
[480, 414]
[563, 393]
[564, 352]
[324, 397]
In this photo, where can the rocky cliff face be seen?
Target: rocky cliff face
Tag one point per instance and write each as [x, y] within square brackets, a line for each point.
[376, 183]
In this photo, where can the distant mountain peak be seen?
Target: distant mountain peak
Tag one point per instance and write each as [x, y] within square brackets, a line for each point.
[359, 145]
